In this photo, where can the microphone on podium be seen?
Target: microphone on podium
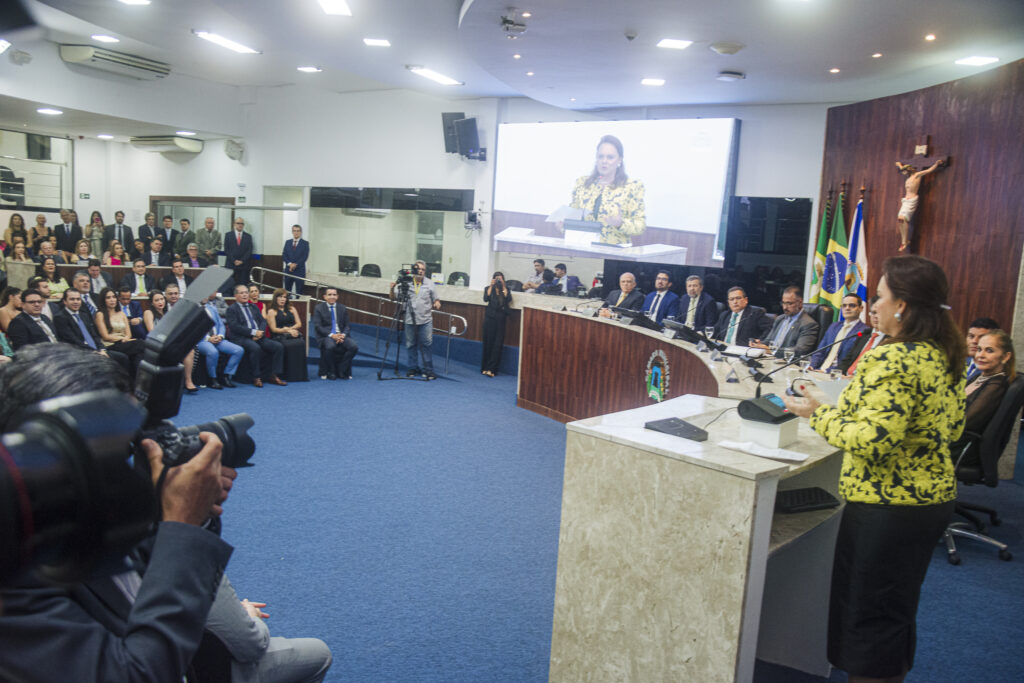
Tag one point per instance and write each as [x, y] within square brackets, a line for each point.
[796, 359]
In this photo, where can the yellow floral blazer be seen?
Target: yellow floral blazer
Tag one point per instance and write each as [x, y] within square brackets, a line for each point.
[629, 198]
[895, 421]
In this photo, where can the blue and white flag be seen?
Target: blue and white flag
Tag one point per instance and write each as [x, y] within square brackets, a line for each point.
[857, 278]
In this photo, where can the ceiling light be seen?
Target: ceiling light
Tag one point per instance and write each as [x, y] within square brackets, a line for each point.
[335, 7]
[433, 75]
[930, 36]
[517, 56]
[730, 76]
[225, 42]
[186, 133]
[572, 99]
[105, 136]
[725, 47]
[377, 42]
[877, 55]
[135, 2]
[529, 73]
[833, 70]
[49, 112]
[4, 44]
[976, 61]
[652, 81]
[105, 39]
[309, 69]
[674, 44]
[526, 15]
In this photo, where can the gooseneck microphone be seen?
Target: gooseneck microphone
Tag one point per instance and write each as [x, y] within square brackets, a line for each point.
[796, 359]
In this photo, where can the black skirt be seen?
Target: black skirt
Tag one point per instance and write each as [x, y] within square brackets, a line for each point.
[882, 555]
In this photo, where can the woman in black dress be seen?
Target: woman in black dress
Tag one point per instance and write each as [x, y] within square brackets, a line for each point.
[283, 323]
[499, 303]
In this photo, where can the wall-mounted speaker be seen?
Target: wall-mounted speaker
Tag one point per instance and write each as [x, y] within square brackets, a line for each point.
[451, 138]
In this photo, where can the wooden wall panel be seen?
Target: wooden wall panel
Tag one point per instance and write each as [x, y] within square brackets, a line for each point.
[969, 218]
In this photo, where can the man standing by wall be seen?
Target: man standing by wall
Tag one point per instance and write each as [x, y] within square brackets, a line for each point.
[295, 255]
[238, 252]
[209, 241]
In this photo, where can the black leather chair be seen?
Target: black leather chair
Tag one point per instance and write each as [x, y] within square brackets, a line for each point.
[370, 270]
[454, 278]
[514, 285]
[985, 471]
[596, 292]
[823, 315]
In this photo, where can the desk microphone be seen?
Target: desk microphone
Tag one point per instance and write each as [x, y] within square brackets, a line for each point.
[796, 359]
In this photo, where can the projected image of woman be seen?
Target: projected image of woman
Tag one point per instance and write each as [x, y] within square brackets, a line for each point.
[609, 197]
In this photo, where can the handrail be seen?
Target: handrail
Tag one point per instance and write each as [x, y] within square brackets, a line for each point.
[450, 330]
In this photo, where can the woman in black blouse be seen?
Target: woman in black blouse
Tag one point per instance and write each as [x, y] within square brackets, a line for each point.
[995, 360]
[499, 303]
[285, 327]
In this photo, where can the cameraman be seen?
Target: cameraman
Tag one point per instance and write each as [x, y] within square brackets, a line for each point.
[419, 324]
[141, 625]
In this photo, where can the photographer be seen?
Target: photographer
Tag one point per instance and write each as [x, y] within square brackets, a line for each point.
[143, 625]
[422, 300]
[499, 304]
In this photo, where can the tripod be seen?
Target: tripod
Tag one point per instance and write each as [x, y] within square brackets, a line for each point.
[397, 323]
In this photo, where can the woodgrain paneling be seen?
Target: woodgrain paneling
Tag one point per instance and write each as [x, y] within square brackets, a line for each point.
[574, 367]
[969, 218]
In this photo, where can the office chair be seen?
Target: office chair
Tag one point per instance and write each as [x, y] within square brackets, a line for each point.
[990, 445]
[514, 285]
[370, 270]
[823, 316]
[454, 278]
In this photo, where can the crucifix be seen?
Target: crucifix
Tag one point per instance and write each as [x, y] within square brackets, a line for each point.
[908, 205]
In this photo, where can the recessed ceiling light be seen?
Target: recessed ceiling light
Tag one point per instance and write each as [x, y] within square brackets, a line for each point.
[833, 70]
[105, 39]
[730, 76]
[527, 15]
[49, 112]
[105, 136]
[309, 69]
[186, 133]
[529, 73]
[674, 43]
[977, 61]
[652, 81]
[572, 99]
[410, 194]
[517, 56]
[433, 75]
[4, 44]
[336, 7]
[377, 42]
[225, 42]
[930, 36]
[135, 2]
[877, 55]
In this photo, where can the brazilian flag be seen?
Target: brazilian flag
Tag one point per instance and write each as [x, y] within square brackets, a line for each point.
[837, 260]
[819, 257]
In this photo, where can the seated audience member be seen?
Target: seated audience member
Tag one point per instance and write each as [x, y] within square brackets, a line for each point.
[741, 322]
[537, 279]
[157, 310]
[90, 301]
[6, 350]
[47, 270]
[42, 285]
[697, 309]
[133, 311]
[662, 302]
[98, 280]
[567, 284]
[141, 625]
[996, 363]
[116, 256]
[337, 349]
[157, 256]
[82, 254]
[793, 328]
[213, 345]
[254, 297]
[626, 296]
[842, 333]
[31, 326]
[248, 329]
[76, 326]
[19, 266]
[48, 250]
[117, 232]
[138, 250]
[177, 276]
[848, 364]
[172, 294]
[115, 331]
[10, 306]
[978, 328]
[139, 281]
[285, 327]
[193, 259]
[547, 283]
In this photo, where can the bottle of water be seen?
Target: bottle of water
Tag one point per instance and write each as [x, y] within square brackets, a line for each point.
[461, 282]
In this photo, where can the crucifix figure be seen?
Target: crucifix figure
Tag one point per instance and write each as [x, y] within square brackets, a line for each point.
[908, 205]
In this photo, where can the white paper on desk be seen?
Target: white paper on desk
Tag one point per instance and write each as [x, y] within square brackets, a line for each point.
[761, 451]
[565, 213]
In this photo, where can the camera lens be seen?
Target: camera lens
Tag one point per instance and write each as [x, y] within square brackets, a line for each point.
[233, 431]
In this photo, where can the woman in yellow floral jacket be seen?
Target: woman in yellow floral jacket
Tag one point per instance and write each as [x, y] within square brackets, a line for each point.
[609, 197]
[895, 422]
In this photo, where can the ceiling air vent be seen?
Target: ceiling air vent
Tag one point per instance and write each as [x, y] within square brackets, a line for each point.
[114, 62]
[167, 143]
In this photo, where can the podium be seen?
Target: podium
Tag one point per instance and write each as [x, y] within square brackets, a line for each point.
[671, 562]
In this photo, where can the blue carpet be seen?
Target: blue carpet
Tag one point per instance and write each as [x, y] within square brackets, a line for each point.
[414, 527]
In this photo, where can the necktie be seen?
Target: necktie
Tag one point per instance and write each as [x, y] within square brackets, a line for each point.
[733, 322]
[867, 347]
[971, 368]
[87, 300]
[47, 330]
[127, 311]
[142, 283]
[654, 308]
[834, 351]
[334, 321]
[622, 297]
[120, 234]
[238, 237]
[691, 312]
[780, 336]
[295, 244]
[248, 316]
[85, 333]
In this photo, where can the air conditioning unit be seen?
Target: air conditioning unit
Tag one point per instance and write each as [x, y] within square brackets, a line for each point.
[114, 62]
[367, 213]
[167, 143]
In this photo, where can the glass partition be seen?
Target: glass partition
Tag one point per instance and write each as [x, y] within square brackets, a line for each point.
[35, 172]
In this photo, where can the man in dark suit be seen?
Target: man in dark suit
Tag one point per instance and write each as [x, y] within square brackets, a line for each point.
[238, 252]
[567, 284]
[626, 296]
[169, 235]
[843, 331]
[330, 322]
[47, 250]
[697, 309]
[184, 237]
[148, 230]
[248, 329]
[662, 302]
[132, 310]
[741, 322]
[31, 326]
[77, 327]
[135, 626]
[139, 281]
[870, 340]
[157, 255]
[177, 276]
[89, 301]
[118, 231]
[295, 255]
[68, 233]
[98, 280]
[793, 328]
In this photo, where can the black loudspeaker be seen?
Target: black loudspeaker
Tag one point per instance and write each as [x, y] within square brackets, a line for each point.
[468, 138]
[451, 140]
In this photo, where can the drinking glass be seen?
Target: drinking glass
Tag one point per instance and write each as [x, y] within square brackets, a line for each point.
[804, 364]
[788, 353]
[709, 332]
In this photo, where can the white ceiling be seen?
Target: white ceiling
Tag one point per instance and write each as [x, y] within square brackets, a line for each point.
[576, 48]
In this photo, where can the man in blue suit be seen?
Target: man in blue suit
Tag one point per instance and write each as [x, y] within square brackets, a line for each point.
[844, 331]
[697, 309]
[295, 255]
[662, 302]
[133, 311]
[567, 284]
